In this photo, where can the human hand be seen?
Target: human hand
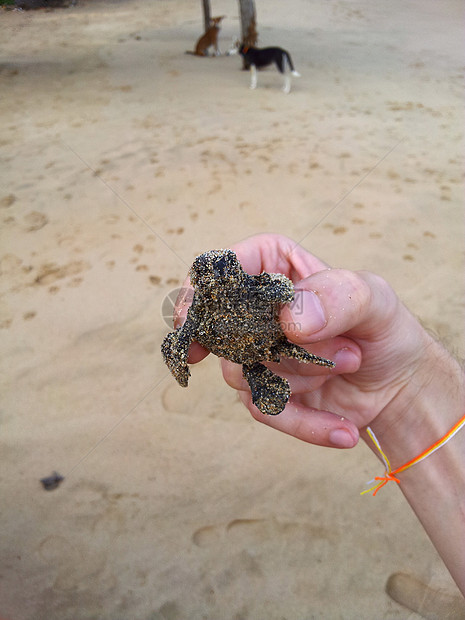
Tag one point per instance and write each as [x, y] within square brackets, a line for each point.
[354, 319]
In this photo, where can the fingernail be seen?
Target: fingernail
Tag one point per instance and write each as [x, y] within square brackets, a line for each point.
[346, 357]
[307, 312]
[341, 438]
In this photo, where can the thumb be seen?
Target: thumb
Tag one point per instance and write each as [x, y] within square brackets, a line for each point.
[337, 301]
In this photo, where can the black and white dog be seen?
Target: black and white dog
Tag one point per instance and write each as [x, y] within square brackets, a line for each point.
[263, 57]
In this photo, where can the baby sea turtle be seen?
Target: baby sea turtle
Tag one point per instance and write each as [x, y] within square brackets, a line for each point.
[236, 316]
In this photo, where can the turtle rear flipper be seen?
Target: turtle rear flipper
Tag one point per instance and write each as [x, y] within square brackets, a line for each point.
[270, 392]
[289, 349]
[175, 349]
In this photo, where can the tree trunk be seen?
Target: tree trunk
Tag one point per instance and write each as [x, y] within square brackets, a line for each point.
[249, 34]
[206, 14]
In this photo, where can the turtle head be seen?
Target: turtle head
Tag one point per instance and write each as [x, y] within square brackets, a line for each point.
[216, 268]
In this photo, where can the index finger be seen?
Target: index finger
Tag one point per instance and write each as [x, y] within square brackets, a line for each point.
[276, 254]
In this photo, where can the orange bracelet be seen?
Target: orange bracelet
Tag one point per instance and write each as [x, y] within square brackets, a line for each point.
[389, 475]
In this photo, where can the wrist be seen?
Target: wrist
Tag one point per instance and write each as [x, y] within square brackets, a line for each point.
[424, 409]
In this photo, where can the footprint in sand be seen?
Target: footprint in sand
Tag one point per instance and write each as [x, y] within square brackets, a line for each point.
[72, 562]
[7, 201]
[176, 400]
[247, 533]
[96, 513]
[432, 603]
[10, 265]
[207, 536]
[34, 221]
[50, 272]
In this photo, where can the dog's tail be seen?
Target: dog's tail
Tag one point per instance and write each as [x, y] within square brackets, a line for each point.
[291, 65]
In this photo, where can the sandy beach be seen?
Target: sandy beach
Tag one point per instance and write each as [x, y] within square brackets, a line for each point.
[122, 158]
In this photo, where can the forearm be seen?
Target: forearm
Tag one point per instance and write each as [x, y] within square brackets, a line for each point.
[435, 490]
[428, 407]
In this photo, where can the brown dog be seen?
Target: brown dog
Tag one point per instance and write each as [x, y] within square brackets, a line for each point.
[209, 39]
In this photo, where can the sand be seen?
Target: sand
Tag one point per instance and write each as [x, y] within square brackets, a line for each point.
[123, 158]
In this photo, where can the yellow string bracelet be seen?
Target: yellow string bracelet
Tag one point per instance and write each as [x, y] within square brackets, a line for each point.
[389, 475]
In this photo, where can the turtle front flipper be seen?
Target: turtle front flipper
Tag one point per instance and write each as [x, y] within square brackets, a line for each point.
[270, 392]
[275, 287]
[175, 350]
